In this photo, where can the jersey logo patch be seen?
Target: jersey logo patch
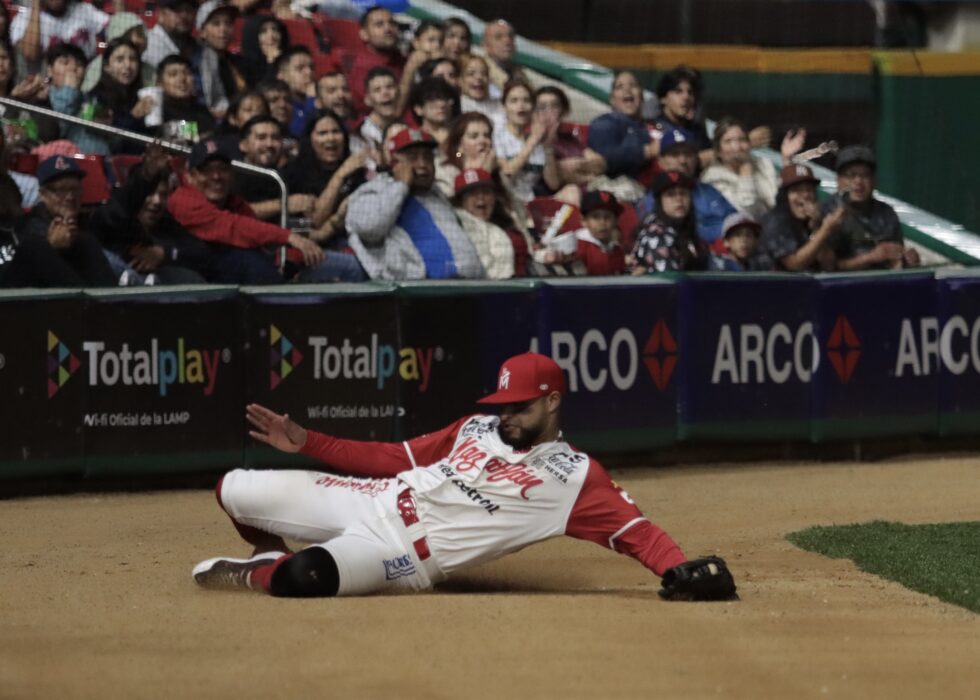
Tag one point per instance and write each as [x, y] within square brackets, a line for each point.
[397, 568]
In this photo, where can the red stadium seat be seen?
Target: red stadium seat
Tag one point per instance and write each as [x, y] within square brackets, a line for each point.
[95, 184]
[24, 163]
[628, 221]
[301, 33]
[121, 165]
[343, 33]
[544, 209]
[324, 63]
[237, 32]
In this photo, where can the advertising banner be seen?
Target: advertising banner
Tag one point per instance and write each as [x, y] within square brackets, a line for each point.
[329, 356]
[958, 297]
[163, 375]
[747, 356]
[617, 342]
[453, 337]
[41, 384]
[880, 364]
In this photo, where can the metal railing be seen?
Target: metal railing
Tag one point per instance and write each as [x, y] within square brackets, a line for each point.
[168, 145]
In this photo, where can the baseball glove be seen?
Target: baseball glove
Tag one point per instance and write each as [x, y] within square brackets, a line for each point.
[699, 579]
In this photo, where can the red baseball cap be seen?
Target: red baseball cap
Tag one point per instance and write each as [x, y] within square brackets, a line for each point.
[407, 138]
[526, 377]
[472, 177]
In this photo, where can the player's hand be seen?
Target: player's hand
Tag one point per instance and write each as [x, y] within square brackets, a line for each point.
[275, 429]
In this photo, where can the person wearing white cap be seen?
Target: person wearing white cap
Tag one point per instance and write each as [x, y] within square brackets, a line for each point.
[217, 69]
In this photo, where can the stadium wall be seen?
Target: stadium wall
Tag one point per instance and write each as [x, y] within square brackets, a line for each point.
[131, 383]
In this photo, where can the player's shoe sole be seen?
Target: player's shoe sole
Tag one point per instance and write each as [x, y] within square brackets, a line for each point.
[225, 573]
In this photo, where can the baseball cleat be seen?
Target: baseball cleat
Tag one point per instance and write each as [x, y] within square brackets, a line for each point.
[225, 573]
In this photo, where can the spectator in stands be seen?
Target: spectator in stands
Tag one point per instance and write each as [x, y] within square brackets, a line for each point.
[141, 239]
[576, 163]
[444, 68]
[172, 34]
[525, 145]
[380, 36]
[128, 26]
[217, 69]
[475, 200]
[870, 235]
[382, 97]
[474, 86]
[499, 43]
[793, 234]
[667, 238]
[434, 104]
[468, 146]
[118, 91]
[598, 245]
[180, 102]
[242, 107]
[333, 93]
[623, 139]
[426, 46]
[54, 226]
[32, 89]
[295, 68]
[679, 93]
[66, 68]
[740, 233]
[276, 94]
[49, 22]
[209, 208]
[261, 145]
[27, 185]
[328, 171]
[748, 181]
[264, 38]
[401, 226]
[679, 150]
[457, 38]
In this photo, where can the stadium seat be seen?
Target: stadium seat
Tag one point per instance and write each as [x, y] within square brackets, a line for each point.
[628, 221]
[343, 33]
[544, 209]
[301, 33]
[24, 163]
[95, 184]
[121, 165]
[323, 63]
[237, 32]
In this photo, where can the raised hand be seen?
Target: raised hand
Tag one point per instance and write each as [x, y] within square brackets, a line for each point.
[275, 429]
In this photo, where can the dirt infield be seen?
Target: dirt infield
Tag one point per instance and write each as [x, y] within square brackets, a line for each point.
[96, 601]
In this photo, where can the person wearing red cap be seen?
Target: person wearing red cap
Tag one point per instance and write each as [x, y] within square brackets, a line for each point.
[412, 514]
[598, 244]
[402, 226]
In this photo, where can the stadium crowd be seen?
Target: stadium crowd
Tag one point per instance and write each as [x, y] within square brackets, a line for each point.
[406, 155]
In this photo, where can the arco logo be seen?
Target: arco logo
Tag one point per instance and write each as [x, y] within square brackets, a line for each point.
[62, 364]
[283, 357]
[660, 355]
[843, 349]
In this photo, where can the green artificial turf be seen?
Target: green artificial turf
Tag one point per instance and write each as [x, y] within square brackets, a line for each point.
[942, 560]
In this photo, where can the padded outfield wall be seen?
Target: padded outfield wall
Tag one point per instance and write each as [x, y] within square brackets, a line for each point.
[140, 382]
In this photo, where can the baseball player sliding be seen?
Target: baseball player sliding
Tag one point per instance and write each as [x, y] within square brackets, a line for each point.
[413, 513]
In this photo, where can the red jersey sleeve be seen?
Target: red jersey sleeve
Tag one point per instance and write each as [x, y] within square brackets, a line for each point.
[606, 515]
[236, 226]
[379, 460]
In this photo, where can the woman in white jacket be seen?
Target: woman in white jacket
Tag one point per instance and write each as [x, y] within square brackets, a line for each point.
[747, 180]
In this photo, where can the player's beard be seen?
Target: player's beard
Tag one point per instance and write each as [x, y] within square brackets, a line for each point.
[523, 439]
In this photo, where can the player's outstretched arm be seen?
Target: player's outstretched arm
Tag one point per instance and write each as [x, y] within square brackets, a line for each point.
[275, 429]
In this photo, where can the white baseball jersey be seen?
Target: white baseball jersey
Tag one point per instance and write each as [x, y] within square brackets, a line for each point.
[479, 499]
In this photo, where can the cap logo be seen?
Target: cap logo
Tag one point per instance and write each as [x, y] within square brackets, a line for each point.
[61, 164]
[470, 176]
[543, 387]
[211, 147]
[414, 135]
[504, 379]
[801, 170]
[679, 137]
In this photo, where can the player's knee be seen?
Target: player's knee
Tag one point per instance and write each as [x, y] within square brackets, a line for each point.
[311, 573]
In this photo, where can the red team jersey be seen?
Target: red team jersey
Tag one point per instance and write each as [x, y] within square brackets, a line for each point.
[479, 499]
